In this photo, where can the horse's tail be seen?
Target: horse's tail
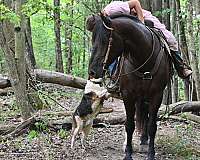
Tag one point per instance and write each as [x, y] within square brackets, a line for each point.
[142, 114]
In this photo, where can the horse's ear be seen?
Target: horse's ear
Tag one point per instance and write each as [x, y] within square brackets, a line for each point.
[106, 19]
[90, 22]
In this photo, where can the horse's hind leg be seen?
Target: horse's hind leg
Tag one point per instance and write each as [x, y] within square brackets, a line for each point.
[144, 134]
[129, 127]
[152, 126]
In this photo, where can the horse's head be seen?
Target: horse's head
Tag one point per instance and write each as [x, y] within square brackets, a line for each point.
[107, 45]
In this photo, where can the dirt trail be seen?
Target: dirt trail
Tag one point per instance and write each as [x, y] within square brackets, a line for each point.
[103, 143]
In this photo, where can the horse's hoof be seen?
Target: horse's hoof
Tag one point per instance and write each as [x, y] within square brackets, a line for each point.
[143, 148]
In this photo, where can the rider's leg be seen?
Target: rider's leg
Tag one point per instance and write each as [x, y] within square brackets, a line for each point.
[113, 86]
[182, 68]
[112, 67]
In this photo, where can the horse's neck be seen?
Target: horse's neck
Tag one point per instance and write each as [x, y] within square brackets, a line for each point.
[138, 41]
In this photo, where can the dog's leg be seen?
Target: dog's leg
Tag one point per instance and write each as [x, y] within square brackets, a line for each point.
[85, 133]
[83, 139]
[87, 129]
[76, 130]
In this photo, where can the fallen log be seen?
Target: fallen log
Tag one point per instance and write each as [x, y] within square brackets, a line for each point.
[4, 82]
[185, 117]
[77, 82]
[50, 77]
[66, 122]
[59, 78]
[179, 107]
[191, 117]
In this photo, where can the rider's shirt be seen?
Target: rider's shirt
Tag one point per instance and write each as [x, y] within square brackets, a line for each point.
[117, 7]
[123, 7]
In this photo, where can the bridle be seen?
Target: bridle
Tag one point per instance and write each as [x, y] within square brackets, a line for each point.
[109, 46]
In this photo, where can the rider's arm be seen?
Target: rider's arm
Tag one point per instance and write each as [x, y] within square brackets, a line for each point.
[135, 6]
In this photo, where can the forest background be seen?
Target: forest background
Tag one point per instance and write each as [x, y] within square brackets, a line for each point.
[51, 35]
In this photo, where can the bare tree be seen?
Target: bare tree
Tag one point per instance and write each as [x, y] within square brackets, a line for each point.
[68, 38]
[13, 45]
[57, 24]
[174, 30]
[194, 57]
[29, 44]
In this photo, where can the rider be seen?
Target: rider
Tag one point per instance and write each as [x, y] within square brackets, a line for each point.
[134, 7]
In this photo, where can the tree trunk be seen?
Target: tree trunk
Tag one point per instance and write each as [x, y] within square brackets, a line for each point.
[68, 39]
[13, 46]
[174, 31]
[157, 7]
[14, 49]
[183, 44]
[20, 87]
[197, 7]
[146, 4]
[167, 95]
[29, 45]
[57, 24]
[84, 49]
[166, 15]
[194, 57]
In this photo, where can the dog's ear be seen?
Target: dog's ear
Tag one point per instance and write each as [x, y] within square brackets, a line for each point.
[90, 22]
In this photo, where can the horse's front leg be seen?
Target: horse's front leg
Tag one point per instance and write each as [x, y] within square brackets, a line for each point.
[129, 128]
[152, 126]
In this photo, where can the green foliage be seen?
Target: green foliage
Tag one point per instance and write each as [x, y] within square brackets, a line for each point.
[178, 147]
[32, 134]
[44, 37]
[63, 134]
[41, 126]
[33, 6]
[163, 12]
[7, 14]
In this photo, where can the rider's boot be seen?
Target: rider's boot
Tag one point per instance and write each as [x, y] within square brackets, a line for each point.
[183, 70]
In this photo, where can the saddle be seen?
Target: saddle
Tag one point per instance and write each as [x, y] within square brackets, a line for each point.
[159, 34]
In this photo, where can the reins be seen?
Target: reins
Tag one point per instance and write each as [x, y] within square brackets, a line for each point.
[152, 52]
[109, 45]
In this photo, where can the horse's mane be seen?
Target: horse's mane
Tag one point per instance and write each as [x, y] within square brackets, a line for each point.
[101, 33]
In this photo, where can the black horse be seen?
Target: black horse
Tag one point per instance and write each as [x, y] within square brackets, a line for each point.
[144, 71]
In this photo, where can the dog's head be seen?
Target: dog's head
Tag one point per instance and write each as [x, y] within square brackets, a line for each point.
[93, 97]
[97, 90]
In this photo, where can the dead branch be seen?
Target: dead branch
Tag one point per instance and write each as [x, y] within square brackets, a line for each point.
[60, 78]
[50, 77]
[179, 107]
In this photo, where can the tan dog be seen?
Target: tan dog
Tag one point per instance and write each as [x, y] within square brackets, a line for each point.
[90, 106]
